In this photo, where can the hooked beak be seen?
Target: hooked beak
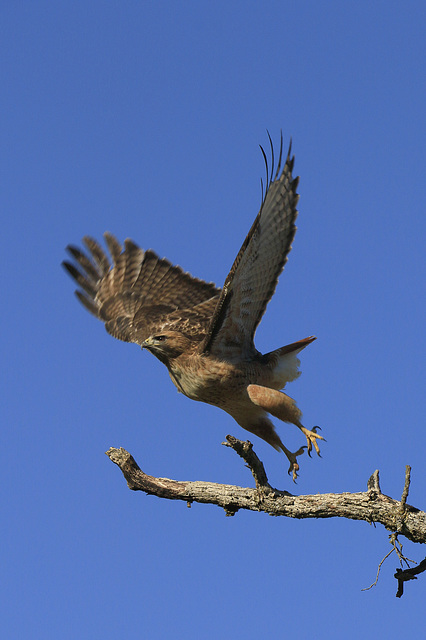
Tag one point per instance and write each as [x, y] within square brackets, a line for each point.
[146, 344]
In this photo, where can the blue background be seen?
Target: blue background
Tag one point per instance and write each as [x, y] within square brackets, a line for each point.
[144, 119]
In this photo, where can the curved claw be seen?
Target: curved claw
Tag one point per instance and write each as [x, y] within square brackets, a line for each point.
[311, 437]
[314, 429]
[294, 466]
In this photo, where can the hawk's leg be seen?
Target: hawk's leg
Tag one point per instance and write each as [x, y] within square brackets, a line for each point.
[283, 407]
[262, 427]
[292, 458]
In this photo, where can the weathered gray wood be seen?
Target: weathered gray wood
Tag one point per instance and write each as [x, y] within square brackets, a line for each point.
[372, 505]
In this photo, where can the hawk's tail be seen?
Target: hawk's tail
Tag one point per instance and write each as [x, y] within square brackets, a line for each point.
[294, 346]
[285, 363]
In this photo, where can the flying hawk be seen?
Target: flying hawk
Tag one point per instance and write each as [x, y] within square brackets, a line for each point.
[204, 335]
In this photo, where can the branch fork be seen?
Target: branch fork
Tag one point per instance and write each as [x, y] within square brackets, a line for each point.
[372, 505]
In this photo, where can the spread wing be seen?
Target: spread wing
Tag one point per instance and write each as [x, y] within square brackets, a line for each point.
[139, 293]
[254, 275]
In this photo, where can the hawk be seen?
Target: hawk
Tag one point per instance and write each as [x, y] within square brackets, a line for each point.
[205, 335]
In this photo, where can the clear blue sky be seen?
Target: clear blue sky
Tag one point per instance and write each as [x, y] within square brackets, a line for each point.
[144, 119]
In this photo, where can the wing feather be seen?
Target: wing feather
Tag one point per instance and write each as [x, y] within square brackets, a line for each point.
[114, 247]
[139, 292]
[97, 253]
[253, 277]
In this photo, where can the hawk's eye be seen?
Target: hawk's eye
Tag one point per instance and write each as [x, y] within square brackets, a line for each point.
[159, 338]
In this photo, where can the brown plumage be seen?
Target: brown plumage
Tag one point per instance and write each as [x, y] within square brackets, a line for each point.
[205, 335]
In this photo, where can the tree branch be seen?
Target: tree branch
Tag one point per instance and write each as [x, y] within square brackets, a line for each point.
[371, 505]
[408, 574]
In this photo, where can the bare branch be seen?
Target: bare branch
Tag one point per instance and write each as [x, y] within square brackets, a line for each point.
[406, 487]
[397, 547]
[378, 571]
[245, 451]
[371, 506]
[408, 574]
[373, 484]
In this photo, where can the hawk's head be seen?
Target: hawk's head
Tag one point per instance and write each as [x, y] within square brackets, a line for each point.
[166, 345]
